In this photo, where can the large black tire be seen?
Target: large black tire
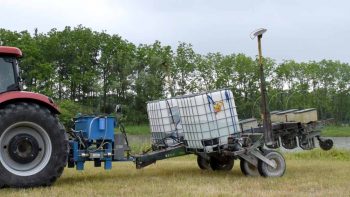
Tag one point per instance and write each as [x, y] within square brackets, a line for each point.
[222, 163]
[203, 163]
[33, 146]
[267, 171]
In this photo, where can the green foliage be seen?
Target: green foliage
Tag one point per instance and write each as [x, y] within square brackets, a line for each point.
[70, 109]
[101, 70]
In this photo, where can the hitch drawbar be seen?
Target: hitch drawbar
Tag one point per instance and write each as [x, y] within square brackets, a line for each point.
[150, 158]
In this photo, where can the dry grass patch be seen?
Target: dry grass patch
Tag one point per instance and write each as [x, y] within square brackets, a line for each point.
[181, 177]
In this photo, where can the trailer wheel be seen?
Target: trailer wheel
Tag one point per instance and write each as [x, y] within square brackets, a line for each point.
[33, 146]
[248, 169]
[221, 163]
[203, 163]
[326, 144]
[268, 171]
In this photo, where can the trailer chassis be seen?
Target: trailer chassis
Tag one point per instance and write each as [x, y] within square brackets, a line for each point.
[248, 146]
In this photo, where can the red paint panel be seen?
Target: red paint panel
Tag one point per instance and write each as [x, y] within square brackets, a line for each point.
[5, 50]
[23, 95]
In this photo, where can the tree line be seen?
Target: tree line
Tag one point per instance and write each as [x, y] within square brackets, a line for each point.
[90, 72]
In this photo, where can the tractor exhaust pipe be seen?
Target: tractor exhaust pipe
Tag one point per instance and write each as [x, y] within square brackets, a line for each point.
[264, 110]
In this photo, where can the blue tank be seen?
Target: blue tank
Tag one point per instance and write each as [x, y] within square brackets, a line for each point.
[96, 128]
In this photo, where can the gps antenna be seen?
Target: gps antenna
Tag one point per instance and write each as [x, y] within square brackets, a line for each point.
[264, 107]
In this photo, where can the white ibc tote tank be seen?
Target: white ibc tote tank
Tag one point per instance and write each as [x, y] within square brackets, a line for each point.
[164, 119]
[208, 119]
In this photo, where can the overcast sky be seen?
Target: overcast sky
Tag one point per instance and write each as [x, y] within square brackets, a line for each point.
[302, 29]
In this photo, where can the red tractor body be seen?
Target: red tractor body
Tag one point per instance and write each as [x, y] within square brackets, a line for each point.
[33, 143]
[10, 51]
[23, 96]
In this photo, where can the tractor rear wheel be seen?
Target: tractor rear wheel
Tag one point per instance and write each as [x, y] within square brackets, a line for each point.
[33, 146]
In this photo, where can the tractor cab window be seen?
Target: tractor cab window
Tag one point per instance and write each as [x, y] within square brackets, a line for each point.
[7, 74]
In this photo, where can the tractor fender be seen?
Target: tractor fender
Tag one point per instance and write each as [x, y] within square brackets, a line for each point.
[23, 96]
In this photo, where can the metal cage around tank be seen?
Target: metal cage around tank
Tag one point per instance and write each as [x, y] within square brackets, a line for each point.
[201, 121]
[208, 119]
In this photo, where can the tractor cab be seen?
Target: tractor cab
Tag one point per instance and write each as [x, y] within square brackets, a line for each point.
[9, 70]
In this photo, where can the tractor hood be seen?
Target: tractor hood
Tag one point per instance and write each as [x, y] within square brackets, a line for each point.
[23, 96]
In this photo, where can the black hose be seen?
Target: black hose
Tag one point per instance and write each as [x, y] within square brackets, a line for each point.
[122, 130]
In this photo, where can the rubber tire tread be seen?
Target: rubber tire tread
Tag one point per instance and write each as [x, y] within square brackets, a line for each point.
[223, 165]
[242, 161]
[245, 171]
[31, 112]
[203, 164]
[263, 167]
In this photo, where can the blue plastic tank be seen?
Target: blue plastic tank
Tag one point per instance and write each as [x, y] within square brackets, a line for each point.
[96, 128]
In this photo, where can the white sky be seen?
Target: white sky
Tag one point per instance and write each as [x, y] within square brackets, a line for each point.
[301, 29]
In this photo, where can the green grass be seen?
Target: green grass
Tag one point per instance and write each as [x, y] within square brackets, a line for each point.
[336, 131]
[142, 129]
[306, 175]
[329, 131]
[318, 154]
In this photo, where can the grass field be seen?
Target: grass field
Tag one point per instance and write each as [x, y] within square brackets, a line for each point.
[312, 173]
[336, 131]
[329, 131]
[143, 129]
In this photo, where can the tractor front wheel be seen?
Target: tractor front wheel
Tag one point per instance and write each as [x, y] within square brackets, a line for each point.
[33, 146]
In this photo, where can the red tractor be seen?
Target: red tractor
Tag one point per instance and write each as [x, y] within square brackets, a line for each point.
[33, 143]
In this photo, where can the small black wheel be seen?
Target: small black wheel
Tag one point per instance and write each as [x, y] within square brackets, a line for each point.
[203, 163]
[248, 169]
[221, 163]
[326, 144]
[267, 171]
